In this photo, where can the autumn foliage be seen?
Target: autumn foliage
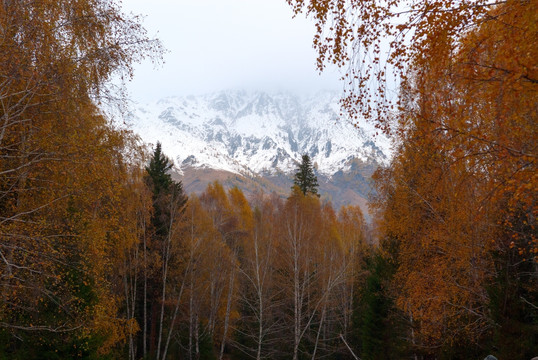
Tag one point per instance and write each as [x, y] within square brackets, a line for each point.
[455, 84]
[102, 255]
[66, 176]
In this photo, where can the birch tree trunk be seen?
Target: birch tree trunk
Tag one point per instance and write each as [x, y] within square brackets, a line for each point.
[228, 309]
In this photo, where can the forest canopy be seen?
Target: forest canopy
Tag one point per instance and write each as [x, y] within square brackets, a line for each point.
[457, 205]
[103, 255]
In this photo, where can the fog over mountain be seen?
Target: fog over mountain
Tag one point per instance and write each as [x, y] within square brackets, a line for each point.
[259, 135]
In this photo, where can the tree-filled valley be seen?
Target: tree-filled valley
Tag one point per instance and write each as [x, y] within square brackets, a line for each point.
[104, 256]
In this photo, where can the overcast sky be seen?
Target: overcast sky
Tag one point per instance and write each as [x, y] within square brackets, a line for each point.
[227, 44]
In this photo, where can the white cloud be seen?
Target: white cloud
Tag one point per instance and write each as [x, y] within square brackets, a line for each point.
[220, 44]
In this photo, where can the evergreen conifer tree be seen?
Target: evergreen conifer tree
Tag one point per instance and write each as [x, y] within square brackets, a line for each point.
[158, 168]
[305, 178]
[169, 202]
[164, 190]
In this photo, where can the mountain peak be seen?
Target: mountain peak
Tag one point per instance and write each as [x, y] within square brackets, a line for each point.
[257, 132]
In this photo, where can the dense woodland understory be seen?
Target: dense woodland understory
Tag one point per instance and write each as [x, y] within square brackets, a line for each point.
[103, 256]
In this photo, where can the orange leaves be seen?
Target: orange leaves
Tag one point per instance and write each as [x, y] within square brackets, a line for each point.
[413, 36]
[461, 191]
[275, 271]
[66, 176]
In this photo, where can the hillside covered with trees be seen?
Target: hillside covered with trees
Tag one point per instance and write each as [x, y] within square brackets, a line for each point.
[103, 256]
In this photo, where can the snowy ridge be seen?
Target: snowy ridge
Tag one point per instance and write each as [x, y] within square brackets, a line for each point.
[256, 132]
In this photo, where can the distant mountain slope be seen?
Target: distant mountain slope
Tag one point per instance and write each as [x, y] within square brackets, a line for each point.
[257, 135]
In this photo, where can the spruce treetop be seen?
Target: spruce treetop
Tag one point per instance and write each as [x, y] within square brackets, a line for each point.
[158, 170]
[305, 178]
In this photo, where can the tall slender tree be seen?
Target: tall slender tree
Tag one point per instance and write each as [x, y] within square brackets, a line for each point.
[65, 173]
[164, 188]
[158, 170]
[168, 206]
[305, 178]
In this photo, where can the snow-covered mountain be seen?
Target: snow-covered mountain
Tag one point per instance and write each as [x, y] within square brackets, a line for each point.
[257, 133]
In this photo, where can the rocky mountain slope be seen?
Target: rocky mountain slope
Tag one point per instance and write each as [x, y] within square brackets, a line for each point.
[257, 138]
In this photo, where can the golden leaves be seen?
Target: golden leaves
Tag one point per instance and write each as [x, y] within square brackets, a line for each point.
[64, 171]
[461, 190]
[379, 44]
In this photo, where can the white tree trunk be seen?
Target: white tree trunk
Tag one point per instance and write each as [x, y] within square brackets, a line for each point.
[228, 309]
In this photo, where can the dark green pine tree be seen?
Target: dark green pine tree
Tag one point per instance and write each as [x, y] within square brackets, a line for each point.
[164, 189]
[168, 204]
[378, 326]
[305, 178]
[158, 171]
